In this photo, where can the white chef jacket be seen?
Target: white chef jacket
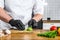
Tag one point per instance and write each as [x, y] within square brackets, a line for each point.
[21, 10]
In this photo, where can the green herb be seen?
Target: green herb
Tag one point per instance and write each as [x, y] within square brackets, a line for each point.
[49, 34]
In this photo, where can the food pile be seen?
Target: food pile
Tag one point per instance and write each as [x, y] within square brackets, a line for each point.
[54, 31]
[4, 32]
[29, 28]
[49, 34]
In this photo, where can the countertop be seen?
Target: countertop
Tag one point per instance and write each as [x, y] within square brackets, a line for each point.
[51, 21]
[20, 35]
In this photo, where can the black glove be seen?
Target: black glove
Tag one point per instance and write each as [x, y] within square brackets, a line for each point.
[32, 23]
[17, 23]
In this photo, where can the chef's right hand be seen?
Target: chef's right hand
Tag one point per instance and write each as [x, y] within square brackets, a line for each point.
[17, 23]
[32, 23]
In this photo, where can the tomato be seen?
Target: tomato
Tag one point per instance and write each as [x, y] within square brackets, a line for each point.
[53, 28]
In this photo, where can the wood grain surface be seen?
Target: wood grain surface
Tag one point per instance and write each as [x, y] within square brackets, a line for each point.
[22, 35]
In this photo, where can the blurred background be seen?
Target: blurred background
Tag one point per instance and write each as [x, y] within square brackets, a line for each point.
[51, 14]
[52, 10]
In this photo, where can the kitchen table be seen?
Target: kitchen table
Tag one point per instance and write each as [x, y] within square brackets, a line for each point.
[17, 35]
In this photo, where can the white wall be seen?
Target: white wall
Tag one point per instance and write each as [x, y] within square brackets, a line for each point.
[52, 10]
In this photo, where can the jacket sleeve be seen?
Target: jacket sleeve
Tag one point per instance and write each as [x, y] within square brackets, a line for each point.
[39, 7]
[2, 3]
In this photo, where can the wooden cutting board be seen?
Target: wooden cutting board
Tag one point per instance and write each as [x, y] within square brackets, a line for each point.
[18, 31]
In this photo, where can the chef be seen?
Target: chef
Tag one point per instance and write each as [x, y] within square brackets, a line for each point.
[18, 13]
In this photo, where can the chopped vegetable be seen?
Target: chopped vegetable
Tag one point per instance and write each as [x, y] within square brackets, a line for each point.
[49, 34]
[29, 29]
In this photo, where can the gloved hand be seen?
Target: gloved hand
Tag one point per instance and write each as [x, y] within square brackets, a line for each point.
[32, 23]
[17, 23]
